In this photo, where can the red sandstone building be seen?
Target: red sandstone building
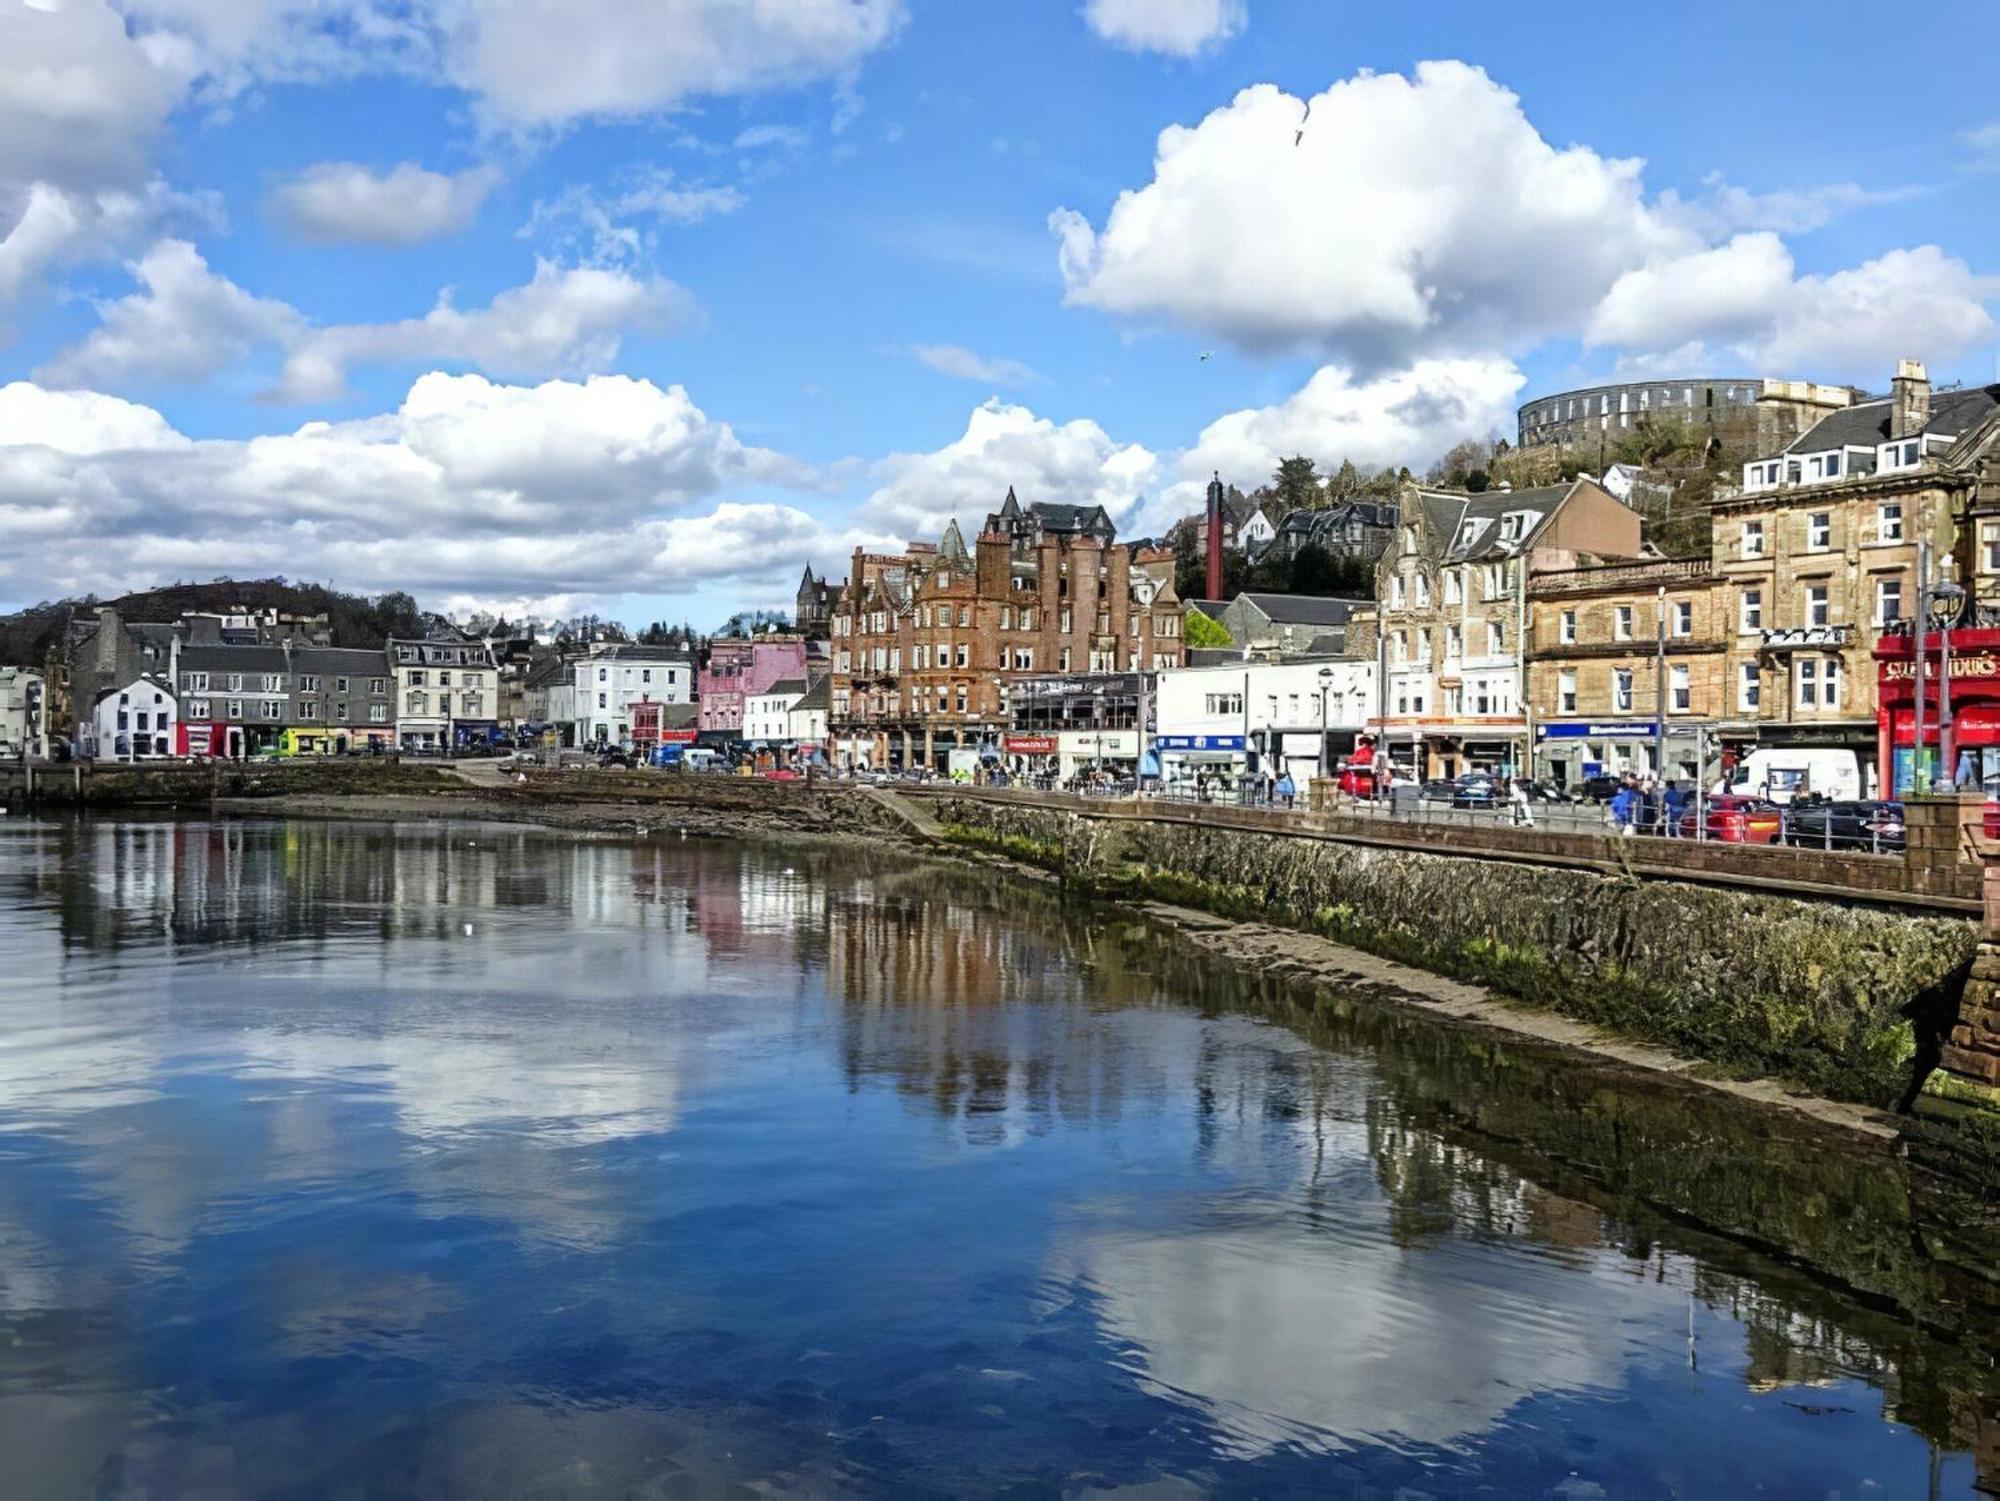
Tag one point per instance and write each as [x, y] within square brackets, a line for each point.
[1973, 731]
[925, 642]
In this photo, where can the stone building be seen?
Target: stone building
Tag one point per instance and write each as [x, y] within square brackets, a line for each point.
[736, 669]
[1451, 615]
[1744, 415]
[812, 608]
[926, 642]
[1606, 644]
[447, 690]
[1818, 553]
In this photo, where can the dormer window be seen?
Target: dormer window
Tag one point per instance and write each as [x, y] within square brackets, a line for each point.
[1467, 532]
[1512, 525]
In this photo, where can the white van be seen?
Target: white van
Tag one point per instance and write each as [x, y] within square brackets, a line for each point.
[1781, 775]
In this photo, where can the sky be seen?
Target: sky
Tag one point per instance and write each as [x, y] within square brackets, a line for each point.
[640, 306]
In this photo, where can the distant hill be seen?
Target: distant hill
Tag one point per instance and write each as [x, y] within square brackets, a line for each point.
[357, 620]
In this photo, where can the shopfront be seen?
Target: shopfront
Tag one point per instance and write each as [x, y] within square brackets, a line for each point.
[1115, 752]
[1569, 751]
[1030, 757]
[216, 738]
[1185, 760]
[1961, 707]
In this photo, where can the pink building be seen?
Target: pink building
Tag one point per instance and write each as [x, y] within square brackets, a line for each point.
[737, 669]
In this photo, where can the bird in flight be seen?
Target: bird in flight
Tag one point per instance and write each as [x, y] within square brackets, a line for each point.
[1205, 354]
[1302, 123]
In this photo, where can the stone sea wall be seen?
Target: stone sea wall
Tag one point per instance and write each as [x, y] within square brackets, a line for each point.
[1819, 992]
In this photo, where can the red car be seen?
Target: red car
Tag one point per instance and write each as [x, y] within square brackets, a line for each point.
[782, 774]
[1735, 820]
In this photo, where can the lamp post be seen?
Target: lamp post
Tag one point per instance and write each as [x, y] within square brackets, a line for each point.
[1660, 688]
[1917, 677]
[1326, 676]
[1943, 600]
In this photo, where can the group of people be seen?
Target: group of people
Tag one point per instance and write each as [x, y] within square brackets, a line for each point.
[1260, 789]
[1642, 802]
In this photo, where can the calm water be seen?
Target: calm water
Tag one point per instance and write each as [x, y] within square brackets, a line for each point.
[372, 1161]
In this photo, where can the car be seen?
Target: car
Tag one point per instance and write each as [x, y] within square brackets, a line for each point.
[1545, 792]
[1359, 781]
[1475, 790]
[1599, 789]
[1437, 790]
[782, 774]
[1732, 819]
[614, 760]
[1848, 824]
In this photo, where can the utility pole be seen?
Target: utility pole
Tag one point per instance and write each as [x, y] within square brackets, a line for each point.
[1660, 688]
[1917, 779]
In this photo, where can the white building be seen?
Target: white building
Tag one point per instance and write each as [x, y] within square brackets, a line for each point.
[132, 723]
[612, 678]
[1300, 716]
[20, 713]
[808, 716]
[447, 691]
[767, 716]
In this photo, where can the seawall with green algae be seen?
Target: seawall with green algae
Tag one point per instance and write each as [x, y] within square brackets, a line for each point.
[1817, 992]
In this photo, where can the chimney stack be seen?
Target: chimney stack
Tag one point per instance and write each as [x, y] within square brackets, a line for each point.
[1214, 589]
[1909, 399]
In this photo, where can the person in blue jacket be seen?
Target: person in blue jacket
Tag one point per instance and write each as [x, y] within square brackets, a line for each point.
[1677, 801]
[1625, 807]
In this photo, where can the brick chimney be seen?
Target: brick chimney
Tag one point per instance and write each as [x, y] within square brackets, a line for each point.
[1214, 587]
[991, 553]
[1909, 399]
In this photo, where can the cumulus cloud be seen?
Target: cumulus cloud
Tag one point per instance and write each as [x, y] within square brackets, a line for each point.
[546, 62]
[346, 202]
[1181, 28]
[470, 488]
[1391, 219]
[962, 363]
[1745, 300]
[1003, 444]
[188, 322]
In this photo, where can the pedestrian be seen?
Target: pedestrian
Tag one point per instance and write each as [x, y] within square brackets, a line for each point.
[1624, 806]
[1517, 792]
[1287, 788]
[1676, 802]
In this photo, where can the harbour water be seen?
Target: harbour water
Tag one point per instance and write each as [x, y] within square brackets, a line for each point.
[427, 1159]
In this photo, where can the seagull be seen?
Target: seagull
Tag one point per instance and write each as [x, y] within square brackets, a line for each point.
[1205, 355]
[1302, 123]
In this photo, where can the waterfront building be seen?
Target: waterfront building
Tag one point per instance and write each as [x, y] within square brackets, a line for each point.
[1302, 715]
[927, 643]
[21, 723]
[133, 721]
[612, 677]
[447, 690]
[1745, 415]
[235, 699]
[767, 716]
[1450, 619]
[1614, 647]
[1059, 724]
[1289, 624]
[340, 700]
[1819, 555]
[738, 667]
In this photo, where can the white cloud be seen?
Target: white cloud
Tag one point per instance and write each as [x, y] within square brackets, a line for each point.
[471, 488]
[1006, 445]
[1722, 208]
[189, 323]
[790, 137]
[600, 228]
[1985, 140]
[962, 363]
[546, 62]
[1413, 216]
[1181, 28]
[335, 202]
[1409, 417]
[1744, 300]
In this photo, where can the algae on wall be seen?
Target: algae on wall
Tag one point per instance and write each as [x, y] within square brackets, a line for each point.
[1813, 990]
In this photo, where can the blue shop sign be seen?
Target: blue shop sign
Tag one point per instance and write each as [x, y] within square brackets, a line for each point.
[1199, 742]
[1602, 729]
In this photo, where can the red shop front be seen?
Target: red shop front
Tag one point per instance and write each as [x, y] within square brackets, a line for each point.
[1975, 704]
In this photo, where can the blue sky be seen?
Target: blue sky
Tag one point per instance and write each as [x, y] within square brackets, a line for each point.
[864, 263]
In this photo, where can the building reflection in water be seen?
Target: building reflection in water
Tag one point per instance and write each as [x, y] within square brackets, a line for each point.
[1310, 1238]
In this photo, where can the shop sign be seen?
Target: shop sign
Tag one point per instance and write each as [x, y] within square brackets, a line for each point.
[1200, 742]
[1031, 745]
[1616, 729]
[677, 737]
[1985, 665]
[1807, 637]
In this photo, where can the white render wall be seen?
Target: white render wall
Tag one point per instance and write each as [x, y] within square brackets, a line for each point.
[605, 688]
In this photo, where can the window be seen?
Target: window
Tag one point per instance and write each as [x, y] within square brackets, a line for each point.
[1829, 674]
[236, 708]
[1062, 622]
[340, 685]
[1888, 601]
[1833, 466]
[1889, 521]
[1819, 530]
[1621, 623]
[1223, 703]
[273, 683]
[1454, 642]
[1423, 587]
[1753, 539]
[1621, 690]
[1681, 614]
[964, 656]
[1748, 685]
[197, 682]
[235, 682]
[645, 674]
[378, 713]
[1817, 609]
[1753, 610]
[1397, 592]
[1680, 692]
[1806, 673]
[1566, 630]
[309, 684]
[1452, 588]
[1399, 647]
[197, 708]
[417, 678]
[308, 710]
[1496, 638]
[965, 614]
[273, 709]
[600, 701]
[444, 678]
[1566, 692]
[378, 686]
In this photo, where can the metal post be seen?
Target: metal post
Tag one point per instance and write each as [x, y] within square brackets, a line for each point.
[1660, 690]
[1946, 764]
[1917, 677]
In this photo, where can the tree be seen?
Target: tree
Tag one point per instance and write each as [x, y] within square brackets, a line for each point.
[1198, 630]
[1296, 484]
[1346, 482]
[1460, 462]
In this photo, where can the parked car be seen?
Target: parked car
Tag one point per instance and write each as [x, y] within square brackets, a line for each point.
[1545, 792]
[1475, 790]
[614, 760]
[1734, 820]
[782, 774]
[1598, 789]
[1437, 790]
[1845, 825]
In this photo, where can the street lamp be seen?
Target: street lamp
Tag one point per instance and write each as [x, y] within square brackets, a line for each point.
[1942, 602]
[1326, 676]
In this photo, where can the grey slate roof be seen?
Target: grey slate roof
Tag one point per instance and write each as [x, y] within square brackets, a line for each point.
[223, 658]
[337, 661]
[790, 686]
[1866, 423]
[1303, 609]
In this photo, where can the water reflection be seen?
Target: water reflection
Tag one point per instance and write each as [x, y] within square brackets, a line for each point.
[443, 1157]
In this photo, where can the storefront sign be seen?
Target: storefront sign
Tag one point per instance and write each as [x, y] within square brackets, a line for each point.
[1807, 637]
[1200, 742]
[1982, 666]
[676, 737]
[1031, 745]
[1615, 729]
